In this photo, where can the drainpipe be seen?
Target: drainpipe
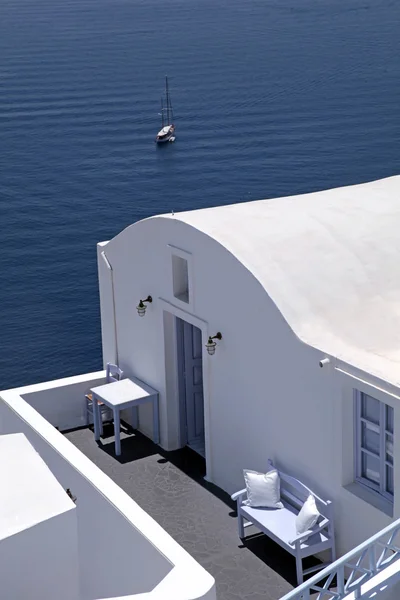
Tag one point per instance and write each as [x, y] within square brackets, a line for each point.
[109, 267]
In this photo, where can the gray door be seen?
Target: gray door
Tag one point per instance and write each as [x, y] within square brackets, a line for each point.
[192, 385]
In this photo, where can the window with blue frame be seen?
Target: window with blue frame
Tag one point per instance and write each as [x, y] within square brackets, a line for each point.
[374, 444]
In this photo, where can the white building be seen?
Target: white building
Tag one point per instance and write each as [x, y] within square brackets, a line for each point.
[288, 282]
[291, 284]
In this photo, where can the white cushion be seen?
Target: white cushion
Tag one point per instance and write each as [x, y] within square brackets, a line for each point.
[308, 516]
[263, 489]
[281, 525]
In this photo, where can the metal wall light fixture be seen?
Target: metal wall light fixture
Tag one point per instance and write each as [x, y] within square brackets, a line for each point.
[211, 345]
[70, 494]
[141, 307]
[324, 361]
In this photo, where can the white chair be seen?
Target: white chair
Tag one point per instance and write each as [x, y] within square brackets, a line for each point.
[113, 373]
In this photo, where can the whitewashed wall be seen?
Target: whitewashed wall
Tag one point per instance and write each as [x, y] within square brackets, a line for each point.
[122, 550]
[390, 593]
[38, 527]
[266, 395]
[62, 403]
[40, 561]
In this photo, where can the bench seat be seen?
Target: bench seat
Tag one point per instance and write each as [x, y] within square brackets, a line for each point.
[280, 523]
[281, 526]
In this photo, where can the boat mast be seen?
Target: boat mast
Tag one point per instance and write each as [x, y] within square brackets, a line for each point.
[167, 96]
[162, 113]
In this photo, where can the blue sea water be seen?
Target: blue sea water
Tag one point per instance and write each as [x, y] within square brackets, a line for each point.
[271, 97]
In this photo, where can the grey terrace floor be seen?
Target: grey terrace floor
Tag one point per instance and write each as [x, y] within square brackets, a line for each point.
[198, 515]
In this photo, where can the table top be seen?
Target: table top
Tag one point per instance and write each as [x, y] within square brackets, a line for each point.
[125, 391]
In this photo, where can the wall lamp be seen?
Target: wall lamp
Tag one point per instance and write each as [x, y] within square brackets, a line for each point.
[141, 307]
[70, 494]
[211, 345]
[323, 362]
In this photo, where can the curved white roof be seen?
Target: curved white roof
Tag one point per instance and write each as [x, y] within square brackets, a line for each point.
[331, 263]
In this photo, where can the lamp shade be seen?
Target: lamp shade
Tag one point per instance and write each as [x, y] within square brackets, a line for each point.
[211, 346]
[141, 309]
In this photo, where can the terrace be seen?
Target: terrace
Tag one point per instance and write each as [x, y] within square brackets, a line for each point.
[116, 496]
[169, 486]
[200, 517]
[122, 551]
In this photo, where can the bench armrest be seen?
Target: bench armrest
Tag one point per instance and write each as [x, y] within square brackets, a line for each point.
[238, 495]
[302, 537]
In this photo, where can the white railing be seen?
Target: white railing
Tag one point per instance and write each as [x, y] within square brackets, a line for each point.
[350, 573]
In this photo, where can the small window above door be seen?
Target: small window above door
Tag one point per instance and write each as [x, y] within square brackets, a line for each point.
[180, 278]
[181, 275]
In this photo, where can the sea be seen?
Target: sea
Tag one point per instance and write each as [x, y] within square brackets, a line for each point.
[270, 98]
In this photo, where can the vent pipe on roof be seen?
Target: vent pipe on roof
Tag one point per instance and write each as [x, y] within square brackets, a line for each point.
[109, 267]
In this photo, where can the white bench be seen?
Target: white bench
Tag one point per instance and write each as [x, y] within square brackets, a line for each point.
[279, 523]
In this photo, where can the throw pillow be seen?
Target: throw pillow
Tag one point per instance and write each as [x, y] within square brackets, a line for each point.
[263, 489]
[308, 516]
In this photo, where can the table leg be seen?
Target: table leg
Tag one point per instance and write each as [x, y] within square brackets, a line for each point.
[156, 420]
[135, 417]
[117, 432]
[100, 418]
[95, 407]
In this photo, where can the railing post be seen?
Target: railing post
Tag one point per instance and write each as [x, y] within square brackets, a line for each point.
[340, 581]
[372, 560]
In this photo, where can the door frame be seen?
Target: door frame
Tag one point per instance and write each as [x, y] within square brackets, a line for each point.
[182, 390]
[180, 360]
[177, 311]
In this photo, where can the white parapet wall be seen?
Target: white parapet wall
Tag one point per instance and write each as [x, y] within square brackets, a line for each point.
[62, 402]
[123, 552]
[38, 527]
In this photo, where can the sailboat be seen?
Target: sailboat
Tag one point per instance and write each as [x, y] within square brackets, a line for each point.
[167, 131]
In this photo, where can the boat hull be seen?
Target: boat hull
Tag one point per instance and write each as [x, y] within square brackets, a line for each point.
[165, 136]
